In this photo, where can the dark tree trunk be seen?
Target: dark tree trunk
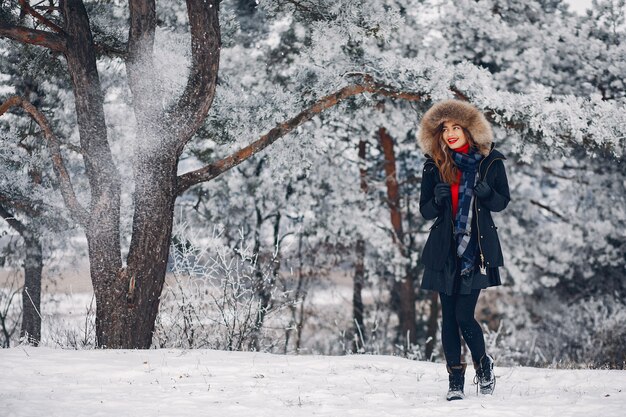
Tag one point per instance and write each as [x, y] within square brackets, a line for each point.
[265, 287]
[138, 287]
[102, 229]
[357, 301]
[405, 293]
[359, 265]
[297, 319]
[258, 274]
[31, 294]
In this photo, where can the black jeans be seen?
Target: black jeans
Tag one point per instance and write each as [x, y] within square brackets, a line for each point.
[457, 311]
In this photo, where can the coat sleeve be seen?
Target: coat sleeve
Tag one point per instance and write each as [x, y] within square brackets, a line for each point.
[428, 208]
[500, 197]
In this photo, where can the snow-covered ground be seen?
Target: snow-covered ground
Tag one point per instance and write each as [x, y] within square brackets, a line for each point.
[56, 382]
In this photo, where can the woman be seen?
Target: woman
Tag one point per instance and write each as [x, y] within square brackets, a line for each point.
[463, 182]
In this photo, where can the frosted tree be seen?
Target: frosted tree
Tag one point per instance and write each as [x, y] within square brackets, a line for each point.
[171, 99]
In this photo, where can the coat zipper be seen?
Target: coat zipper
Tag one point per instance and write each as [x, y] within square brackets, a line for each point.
[483, 268]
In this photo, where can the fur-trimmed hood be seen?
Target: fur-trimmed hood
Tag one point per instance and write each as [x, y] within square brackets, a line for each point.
[457, 111]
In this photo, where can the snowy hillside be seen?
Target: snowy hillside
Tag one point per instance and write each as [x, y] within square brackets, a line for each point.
[49, 382]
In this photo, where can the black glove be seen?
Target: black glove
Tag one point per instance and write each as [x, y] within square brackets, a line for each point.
[442, 193]
[482, 190]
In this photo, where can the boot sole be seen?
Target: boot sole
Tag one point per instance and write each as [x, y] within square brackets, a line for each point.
[455, 396]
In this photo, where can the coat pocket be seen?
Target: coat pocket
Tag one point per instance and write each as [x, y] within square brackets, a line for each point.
[437, 246]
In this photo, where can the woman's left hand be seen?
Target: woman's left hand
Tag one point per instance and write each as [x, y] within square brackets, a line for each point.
[482, 190]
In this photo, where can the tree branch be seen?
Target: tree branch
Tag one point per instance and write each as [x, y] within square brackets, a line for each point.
[543, 206]
[194, 104]
[15, 224]
[21, 203]
[35, 14]
[48, 40]
[67, 190]
[214, 169]
[102, 49]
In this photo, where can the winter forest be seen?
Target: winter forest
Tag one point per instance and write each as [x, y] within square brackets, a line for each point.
[244, 175]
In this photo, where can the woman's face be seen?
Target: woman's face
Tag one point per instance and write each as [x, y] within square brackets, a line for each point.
[453, 135]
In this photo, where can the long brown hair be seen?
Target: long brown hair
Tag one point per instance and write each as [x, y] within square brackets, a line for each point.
[443, 160]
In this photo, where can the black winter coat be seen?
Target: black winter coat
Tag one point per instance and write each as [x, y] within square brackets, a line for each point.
[438, 246]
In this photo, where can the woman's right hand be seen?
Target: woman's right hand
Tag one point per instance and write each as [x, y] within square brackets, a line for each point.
[442, 193]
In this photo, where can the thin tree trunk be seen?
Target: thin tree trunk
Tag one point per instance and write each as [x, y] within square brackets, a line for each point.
[358, 341]
[405, 293]
[31, 294]
[265, 286]
[357, 300]
[297, 315]
[258, 275]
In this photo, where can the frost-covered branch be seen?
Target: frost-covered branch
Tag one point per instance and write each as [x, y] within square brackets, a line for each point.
[24, 204]
[211, 171]
[67, 191]
[15, 224]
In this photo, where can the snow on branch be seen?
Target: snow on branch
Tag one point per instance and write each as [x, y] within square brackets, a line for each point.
[211, 171]
[67, 191]
[17, 225]
[558, 123]
[21, 203]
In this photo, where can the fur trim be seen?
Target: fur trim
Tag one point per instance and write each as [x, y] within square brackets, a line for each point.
[461, 112]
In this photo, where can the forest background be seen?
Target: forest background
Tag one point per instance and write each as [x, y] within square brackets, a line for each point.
[310, 241]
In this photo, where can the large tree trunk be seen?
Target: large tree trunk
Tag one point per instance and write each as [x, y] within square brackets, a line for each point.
[134, 304]
[404, 291]
[102, 228]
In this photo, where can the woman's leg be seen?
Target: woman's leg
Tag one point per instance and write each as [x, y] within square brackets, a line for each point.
[472, 332]
[450, 337]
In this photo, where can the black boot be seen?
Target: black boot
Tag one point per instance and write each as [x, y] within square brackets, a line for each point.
[485, 378]
[456, 376]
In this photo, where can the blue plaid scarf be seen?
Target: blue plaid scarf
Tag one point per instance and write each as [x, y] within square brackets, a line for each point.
[466, 247]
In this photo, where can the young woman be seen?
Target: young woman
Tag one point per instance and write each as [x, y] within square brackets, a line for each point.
[463, 182]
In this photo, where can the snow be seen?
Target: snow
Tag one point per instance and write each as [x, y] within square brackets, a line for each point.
[56, 382]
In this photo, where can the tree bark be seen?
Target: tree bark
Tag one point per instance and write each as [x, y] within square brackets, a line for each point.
[31, 294]
[127, 320]
[359, 265]
[358, 341]
[103, 227]
[405, 293]
[127, 298]
[134, 300]
[258, 274]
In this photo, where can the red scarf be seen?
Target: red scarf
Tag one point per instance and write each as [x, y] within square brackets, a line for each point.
[454, 188]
